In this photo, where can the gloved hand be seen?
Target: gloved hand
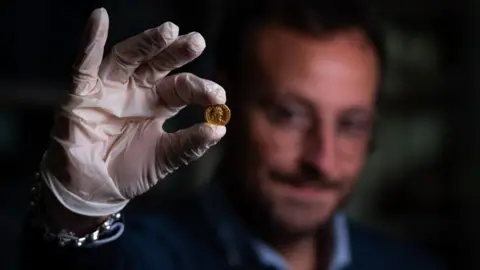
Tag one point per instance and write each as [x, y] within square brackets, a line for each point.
[108, 143]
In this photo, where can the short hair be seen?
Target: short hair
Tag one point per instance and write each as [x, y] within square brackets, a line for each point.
[313, 17]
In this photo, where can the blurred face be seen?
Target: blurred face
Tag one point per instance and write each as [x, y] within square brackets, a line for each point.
[307, 122]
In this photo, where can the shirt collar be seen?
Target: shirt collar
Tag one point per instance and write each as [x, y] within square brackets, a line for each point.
[227, 226]
[341, 256]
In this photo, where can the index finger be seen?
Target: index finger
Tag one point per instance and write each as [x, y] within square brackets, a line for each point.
[185, 88]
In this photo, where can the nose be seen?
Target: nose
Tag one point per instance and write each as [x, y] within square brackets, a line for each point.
[320, 150]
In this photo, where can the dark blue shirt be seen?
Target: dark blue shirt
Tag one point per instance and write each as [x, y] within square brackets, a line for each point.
[202, 232]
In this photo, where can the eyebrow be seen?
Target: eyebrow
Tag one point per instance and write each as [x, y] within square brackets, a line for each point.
[298, 99]
[354, 110]
[358, 110]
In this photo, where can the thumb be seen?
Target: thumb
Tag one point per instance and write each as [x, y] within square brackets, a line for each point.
[186, 145]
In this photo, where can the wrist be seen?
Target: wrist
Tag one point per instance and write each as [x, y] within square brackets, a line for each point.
[60, 218]
[73, 191]
[65, 227]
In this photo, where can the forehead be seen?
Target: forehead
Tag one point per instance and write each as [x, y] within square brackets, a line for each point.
[335, 70]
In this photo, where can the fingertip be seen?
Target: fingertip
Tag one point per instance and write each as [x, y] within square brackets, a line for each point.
[196, 42]
[219, 131]
[169, 30]
[215, 93]
[100, 13]
[104, 15]
[213, 132]
[100, 20]
[221, 95]
[100, 9]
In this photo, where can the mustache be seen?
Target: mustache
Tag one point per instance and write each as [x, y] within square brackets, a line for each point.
[307, 176]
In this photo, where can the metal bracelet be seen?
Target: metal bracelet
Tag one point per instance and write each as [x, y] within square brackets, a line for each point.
[64, 237]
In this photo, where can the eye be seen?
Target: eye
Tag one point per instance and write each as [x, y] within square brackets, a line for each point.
[281, 113]
[354, 126]
[288, 115]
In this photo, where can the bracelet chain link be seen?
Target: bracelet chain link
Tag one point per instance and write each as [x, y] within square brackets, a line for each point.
[64, 237]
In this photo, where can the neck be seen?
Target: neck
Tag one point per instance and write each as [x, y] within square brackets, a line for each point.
[300, 254]
[307, 251]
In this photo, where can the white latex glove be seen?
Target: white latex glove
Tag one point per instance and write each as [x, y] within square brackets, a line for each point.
[108, 143]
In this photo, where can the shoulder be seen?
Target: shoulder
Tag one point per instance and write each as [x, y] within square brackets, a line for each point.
[170, 221]
[177, 229]
[386, 252]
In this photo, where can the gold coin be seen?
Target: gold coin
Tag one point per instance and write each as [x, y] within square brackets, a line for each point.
[217, 114]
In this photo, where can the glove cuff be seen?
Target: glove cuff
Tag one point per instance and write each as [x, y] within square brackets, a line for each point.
[75, 203]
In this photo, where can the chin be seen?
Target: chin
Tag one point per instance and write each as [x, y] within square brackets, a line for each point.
[299, 212]
[293, 219]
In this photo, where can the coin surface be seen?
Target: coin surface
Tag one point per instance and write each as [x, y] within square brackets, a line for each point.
[217, 114]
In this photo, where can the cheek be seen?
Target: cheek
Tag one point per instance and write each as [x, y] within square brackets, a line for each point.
[352, 155]
[274, 146]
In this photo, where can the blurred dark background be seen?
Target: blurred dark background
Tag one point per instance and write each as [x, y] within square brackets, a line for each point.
[421, 183]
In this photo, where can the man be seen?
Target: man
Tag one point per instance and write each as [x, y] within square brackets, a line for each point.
[302, 80]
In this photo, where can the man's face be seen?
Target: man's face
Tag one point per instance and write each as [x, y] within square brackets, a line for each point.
[308, 123]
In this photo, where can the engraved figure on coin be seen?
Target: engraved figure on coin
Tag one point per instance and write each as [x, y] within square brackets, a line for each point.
[218, 114]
